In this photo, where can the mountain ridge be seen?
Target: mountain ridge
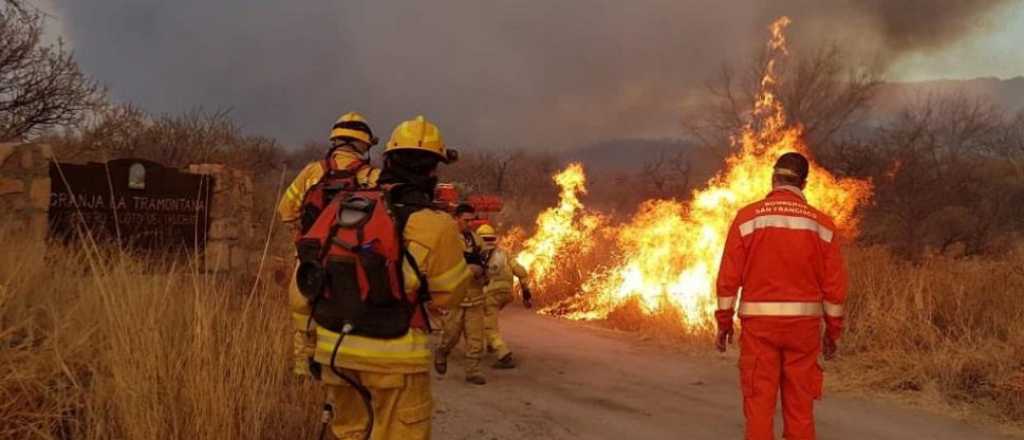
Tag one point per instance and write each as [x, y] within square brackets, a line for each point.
[630, 154]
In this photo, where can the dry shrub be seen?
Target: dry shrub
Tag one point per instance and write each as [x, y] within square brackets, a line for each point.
[948, 324]
[577, 263]
[665, 324]
[97, 345]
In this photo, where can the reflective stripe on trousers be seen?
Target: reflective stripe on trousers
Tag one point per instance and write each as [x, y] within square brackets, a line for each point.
[748, 308]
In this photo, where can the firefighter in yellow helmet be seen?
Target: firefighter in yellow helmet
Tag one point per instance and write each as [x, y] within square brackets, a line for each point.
[393, 375]
[501, 268]
[468, 317]
[351, 139]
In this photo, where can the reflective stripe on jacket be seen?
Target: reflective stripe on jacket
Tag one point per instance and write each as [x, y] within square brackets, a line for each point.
[344, 159]
[785, 256]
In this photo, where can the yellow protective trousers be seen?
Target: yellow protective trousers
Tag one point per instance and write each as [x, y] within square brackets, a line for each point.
[402, 406]
[496, 300]
[468, 320]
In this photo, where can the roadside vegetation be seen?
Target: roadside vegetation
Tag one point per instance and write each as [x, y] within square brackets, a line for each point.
[98, 344]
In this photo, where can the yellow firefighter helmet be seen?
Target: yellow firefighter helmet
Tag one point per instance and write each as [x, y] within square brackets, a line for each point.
[353, 125]
[488, 236]
[420, 134]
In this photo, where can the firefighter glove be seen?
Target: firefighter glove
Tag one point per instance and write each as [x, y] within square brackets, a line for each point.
[829, 348]
[725, 329]
[724, 339]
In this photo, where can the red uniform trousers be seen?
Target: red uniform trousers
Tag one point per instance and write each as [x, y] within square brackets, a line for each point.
[780, 353]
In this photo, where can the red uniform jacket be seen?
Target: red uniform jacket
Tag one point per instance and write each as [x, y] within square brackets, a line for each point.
[785, 256]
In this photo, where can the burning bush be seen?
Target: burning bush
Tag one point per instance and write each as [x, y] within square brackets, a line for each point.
[936, 324]
[667, 255]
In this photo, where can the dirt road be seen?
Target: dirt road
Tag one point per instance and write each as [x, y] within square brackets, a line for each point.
[581, 382]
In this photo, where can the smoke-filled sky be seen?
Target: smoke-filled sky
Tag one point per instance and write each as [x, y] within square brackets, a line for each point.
[542, 74]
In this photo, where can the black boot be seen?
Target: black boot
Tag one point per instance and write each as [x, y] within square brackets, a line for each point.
[440, 362]
[505, 363]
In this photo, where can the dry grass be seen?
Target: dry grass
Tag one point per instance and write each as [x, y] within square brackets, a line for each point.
[97, 346]
[952, 326]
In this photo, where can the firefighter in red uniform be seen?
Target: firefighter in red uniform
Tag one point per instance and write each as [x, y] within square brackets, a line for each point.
[784, 255]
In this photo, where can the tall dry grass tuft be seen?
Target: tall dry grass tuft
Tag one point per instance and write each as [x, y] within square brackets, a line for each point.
[950, 325]
[98, 345]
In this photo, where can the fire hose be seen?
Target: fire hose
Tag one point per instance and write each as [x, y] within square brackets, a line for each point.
[364, 393]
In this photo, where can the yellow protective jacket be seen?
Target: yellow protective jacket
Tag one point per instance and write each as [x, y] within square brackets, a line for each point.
[434, 241]
[344, 159]
[501, 267]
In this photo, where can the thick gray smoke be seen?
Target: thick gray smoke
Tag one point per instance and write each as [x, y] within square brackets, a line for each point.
[493, 74]
[892, 27]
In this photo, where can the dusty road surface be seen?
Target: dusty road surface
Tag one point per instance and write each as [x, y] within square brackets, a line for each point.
[581, 382]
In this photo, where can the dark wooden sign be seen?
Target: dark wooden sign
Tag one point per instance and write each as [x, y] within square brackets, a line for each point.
[137, 203]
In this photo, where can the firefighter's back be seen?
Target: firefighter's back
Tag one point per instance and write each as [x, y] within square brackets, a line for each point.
[787, 241]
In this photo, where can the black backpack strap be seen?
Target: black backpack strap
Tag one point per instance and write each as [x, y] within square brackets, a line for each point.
[423, 292]
[402, 204]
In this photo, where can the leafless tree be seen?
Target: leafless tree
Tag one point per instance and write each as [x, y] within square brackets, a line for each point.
[654, 172]
[501, 171]
[503, 165]
[261, 154]
[191, 137]
[1009, 144]
[195, 136]
[943, 185]
[819, 91]
[110, 132]
[669, 173]
[41, 87]
[682, 168]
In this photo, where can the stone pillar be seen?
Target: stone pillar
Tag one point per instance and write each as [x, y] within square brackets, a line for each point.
[25, 188]
[232, 241]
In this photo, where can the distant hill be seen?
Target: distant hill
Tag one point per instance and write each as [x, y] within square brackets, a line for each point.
[631, 154]
[1008, 93]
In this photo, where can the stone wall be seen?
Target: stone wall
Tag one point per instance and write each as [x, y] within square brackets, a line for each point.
[25, 188]
[233, 242]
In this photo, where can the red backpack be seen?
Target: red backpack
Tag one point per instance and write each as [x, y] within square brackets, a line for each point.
[351, 267]
[332, 182]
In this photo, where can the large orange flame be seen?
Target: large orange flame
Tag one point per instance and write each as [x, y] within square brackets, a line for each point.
[666, 257]
[566, 225]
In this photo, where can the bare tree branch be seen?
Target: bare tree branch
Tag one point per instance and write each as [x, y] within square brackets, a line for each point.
[818, 91]
[41, 87]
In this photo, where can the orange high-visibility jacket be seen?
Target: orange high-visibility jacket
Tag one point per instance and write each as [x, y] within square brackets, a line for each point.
[785, 256]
